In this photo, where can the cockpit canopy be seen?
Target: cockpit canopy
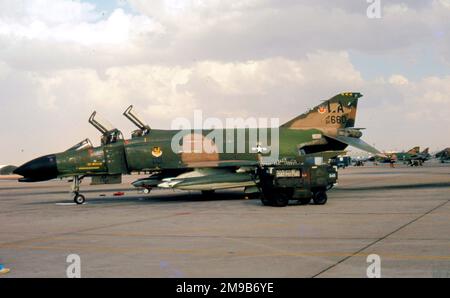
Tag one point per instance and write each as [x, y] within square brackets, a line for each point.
[85, 144]
[110, 135]
[144, 129]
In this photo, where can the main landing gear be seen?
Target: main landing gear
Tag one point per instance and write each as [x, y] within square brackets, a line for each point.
[78, 198]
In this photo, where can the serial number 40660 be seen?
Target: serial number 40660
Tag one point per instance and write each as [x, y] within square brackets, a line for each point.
[247, 287]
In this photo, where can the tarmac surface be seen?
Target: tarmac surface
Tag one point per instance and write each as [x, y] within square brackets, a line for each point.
[400, 214]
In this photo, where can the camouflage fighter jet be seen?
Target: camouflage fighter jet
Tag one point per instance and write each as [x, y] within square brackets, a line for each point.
[324, 131]
[444, 155]
[412, 157]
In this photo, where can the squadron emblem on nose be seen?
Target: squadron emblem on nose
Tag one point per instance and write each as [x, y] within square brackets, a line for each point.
[157, 152]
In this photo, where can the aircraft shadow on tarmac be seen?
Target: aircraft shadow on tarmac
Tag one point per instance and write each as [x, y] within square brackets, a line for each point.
[158, 199]
[56, 192]
[154, 198]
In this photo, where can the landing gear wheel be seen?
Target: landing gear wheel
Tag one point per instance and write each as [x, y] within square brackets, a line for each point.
[147, 190]
[320, 198]
[79, 199]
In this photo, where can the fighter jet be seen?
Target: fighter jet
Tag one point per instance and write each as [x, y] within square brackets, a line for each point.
[444, 155]
[7, 169]
[417, 158]
[412, 157]
[324, 131]
[424, 155]
[6, 172]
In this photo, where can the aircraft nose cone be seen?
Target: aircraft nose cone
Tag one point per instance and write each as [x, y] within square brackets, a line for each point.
[40, 169]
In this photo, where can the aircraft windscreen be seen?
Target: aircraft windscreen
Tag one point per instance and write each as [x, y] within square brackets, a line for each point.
[85, 144]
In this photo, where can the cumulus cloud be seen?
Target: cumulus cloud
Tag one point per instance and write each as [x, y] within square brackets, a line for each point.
[398, 80]
[47, 11]
[186, 31]
[247, 29]
[170, 91]
[118, 28]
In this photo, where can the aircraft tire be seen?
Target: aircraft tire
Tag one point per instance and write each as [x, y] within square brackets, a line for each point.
[79, 199]
[320, 198]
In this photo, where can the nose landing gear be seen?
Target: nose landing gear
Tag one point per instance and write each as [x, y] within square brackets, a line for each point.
[78, 198]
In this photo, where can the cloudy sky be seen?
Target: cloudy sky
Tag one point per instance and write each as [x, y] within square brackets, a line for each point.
[62, 59]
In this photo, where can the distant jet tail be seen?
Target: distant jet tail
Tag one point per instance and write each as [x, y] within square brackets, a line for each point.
[335, 113]
[415, 150]
[426, 151]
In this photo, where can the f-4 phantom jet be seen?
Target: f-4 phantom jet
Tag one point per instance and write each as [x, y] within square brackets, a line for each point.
[444, 155]
[172, 159]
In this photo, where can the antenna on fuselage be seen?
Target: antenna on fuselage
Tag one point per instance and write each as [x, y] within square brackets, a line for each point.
[144, 129]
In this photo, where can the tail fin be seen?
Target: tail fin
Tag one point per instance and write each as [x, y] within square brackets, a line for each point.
[426, 151]
[337, 112]
[414, 150]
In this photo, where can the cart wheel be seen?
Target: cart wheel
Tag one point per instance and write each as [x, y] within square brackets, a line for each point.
[320, 198]
[281, 200]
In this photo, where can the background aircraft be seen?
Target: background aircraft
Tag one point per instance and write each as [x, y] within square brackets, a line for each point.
[411, 157]
[444, 155]
[7, 170]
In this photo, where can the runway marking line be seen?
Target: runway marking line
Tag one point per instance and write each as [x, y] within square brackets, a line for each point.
[380, 239]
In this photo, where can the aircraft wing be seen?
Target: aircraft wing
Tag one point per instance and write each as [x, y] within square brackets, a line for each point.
[357, 143]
